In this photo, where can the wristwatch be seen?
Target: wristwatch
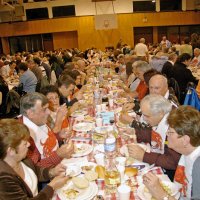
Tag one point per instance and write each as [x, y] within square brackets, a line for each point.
[166, 197]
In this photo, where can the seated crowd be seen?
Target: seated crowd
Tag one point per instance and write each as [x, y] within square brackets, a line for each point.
[50, 87]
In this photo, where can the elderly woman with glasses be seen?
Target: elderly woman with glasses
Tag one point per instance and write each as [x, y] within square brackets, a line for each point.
[19, 176]
[183, 137]
[58, 113]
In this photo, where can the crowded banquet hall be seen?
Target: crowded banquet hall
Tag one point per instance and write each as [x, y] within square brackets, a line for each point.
[99, 99]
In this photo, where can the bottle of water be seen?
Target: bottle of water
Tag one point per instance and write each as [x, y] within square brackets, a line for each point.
[110, 145]
[97, 96]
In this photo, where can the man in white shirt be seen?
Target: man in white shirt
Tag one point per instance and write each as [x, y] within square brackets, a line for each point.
[5, 69]
[196, 60]
[44, 148]
[141, 49]
[165, 42]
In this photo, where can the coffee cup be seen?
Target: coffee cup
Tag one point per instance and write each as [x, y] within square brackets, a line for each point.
[99, 121]
[124, 192]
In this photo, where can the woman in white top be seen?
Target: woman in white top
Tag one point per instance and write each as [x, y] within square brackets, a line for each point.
[19, 176]
[183, 137]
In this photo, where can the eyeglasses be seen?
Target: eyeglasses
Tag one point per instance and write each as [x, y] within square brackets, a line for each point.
[171, 133]
[53, 98]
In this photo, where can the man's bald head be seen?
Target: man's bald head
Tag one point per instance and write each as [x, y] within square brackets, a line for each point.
[158, 85]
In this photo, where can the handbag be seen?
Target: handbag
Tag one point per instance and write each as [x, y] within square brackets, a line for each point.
[192, 99]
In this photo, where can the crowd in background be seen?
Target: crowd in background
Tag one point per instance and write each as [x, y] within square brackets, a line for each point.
[51, 84]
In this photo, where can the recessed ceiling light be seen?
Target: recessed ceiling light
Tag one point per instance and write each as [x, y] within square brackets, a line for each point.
[153, 1]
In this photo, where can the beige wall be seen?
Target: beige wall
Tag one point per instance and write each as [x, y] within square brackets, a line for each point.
[65, 40]
[88, 36]
[5, 45]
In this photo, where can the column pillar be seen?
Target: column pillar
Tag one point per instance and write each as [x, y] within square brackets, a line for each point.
[5, 45]
[155, 34]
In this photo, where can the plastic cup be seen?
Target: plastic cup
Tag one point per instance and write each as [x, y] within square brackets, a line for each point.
[121, 161]
[124, 192]
[99, 121]
[100, 159]
[103, 107]
[98, 108]
[111, 102]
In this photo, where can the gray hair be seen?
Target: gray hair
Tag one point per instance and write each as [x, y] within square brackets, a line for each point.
[197, 50]
[29, 100]
[163, 80]
[141, 66]
[142, 40]
[157, 103]
[120, 56]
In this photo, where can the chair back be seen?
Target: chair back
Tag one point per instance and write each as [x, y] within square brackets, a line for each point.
[13, 101]
[174, 85]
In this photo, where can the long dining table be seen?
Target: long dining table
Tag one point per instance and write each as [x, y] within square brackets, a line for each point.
[87, 116]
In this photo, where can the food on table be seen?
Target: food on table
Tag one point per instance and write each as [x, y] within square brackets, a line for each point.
[99, 197]
[80, 149]
[71, 193]
[80, 182]
[166, 188]
[98, 137]
[100, 171]
[131, 171]
[91, 175]
[121, 101]
[87, 168]
[78, 112]
[88, 118]
[121, 124]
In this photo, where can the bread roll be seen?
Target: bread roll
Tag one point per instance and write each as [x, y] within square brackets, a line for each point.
[80, 182]
[129, 171]
[100, 171]
[91, 175]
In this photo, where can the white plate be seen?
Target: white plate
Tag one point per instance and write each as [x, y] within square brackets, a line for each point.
[121, 101]
[73, 170]
[83, 127]
[99, 148]
[85, 149]
[88, 118]
[84, 194]
[103, 129]
[88, 164]
[122, 125]
[144, 194]
[79, 113]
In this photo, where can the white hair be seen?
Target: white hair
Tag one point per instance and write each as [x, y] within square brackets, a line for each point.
[141, 66]
[157, 103]
[197, 50]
